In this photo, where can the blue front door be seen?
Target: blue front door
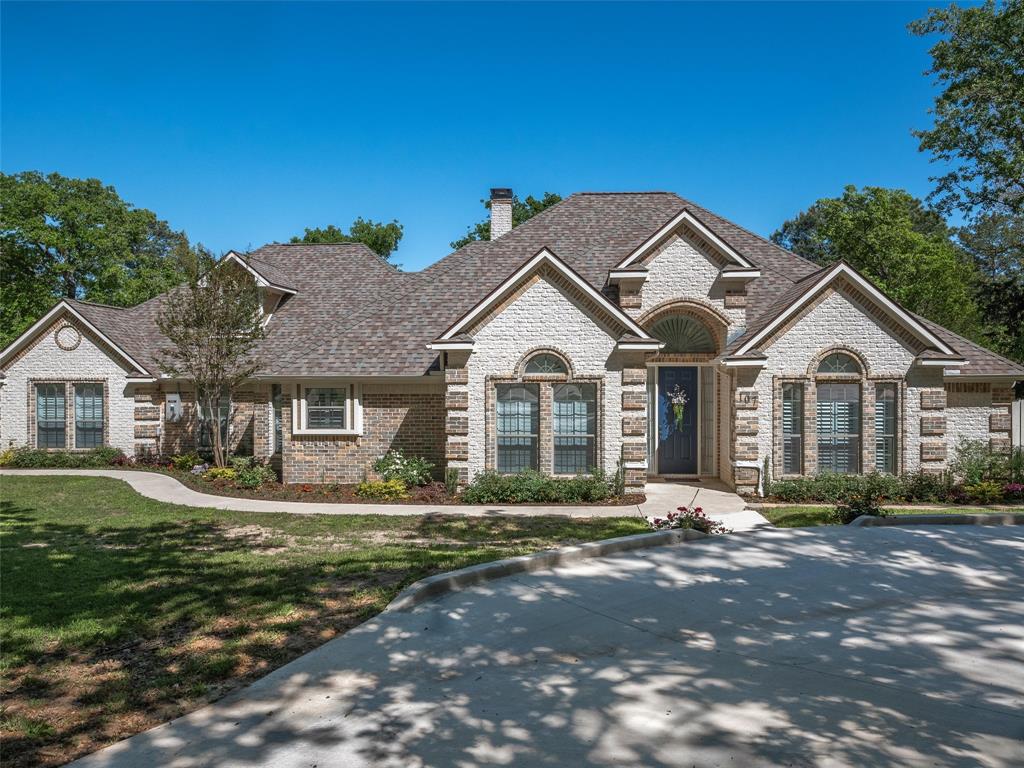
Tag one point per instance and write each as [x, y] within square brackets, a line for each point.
[677, 432]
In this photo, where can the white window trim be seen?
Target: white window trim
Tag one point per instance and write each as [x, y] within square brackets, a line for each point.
[353, 408]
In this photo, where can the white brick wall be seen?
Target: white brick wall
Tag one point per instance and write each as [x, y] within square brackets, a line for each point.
[680, 271]
[46, 360]
[544, 316]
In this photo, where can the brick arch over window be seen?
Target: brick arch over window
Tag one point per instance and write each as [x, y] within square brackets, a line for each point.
[709, 317]
[535, 352]
[865, 369]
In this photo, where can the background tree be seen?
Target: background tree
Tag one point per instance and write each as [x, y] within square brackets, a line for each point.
[380, 238]
[76, 238]
[522, 210]
[979, 115]
[213, 324]
[889, 236]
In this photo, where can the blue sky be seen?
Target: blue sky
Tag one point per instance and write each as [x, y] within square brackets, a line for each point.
[243, 124]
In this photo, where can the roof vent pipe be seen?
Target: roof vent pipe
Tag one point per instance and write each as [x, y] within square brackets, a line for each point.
[501, 212]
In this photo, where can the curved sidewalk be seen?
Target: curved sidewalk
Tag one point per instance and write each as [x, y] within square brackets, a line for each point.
[720, 503]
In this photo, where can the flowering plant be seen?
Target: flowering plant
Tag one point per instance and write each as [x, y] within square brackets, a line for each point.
[677, 397]
[1014, 490]
[684, 517]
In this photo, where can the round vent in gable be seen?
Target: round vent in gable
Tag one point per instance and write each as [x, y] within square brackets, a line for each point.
[68, 337]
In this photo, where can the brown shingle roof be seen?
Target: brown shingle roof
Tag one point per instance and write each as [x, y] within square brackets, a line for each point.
[355, 314]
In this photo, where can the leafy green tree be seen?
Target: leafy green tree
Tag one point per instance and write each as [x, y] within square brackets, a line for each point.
[380, 238]
[522, 210]
[979, 115]
[214, 324]
[76, 238]
[889, 236]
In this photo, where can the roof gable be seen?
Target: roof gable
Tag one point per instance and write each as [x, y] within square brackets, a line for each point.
[686, 220]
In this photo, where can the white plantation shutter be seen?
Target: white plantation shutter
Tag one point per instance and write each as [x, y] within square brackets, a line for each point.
[88, 415]
[50, 415]
[885, 428]
[792, 428]
[839, 427]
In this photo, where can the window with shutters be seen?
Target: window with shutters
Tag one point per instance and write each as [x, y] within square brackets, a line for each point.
[89, 415]
[51, 429]
[517, 421]
[574, 416]
[885, 428]
[838, 416]
[793, 429]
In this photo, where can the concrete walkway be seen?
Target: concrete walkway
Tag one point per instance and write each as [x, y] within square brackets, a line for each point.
[718, 501]
[802, 647]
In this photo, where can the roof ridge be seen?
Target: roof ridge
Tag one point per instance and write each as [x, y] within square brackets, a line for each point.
[98, 304]
[358, 244]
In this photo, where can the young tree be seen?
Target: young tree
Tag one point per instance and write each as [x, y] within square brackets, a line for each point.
[380, 238]
[76, 238]
[893, 239]
[522, 210]
[213, 323]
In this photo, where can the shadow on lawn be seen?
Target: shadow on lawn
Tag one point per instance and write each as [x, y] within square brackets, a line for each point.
[712, 652]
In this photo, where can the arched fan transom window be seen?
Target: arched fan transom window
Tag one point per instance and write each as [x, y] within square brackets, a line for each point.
[546, 363]
[683, 334]
[838, 362]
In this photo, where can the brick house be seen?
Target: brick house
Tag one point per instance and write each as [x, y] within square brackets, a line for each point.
[634, 328]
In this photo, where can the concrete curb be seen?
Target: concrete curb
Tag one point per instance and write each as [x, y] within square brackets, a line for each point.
[452, 581]
[870, 521]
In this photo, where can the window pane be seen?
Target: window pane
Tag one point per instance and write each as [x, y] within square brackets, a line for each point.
[574, 424]
[88, 415]
[707, 421]
[50, 415]
[220, 419]
[517, 416]
[839, 427]
[545, 363]
[325, 407]
[793, 429]
[275, 401]
[885, 428]
[837, 362]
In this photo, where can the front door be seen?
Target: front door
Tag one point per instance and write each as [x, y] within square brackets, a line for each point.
[677, 420]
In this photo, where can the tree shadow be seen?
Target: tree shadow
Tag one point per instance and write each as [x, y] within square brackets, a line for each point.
[839, 646]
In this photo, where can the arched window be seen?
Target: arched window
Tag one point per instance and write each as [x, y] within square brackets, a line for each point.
[683, 334]
[547, 363]
[839, 362]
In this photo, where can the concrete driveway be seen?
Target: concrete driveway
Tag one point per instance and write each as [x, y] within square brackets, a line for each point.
[826, 647]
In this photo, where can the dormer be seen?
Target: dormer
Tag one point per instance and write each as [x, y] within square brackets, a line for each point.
[273, 291]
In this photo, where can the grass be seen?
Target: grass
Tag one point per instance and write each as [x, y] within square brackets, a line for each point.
[803, 517]
[119, 612]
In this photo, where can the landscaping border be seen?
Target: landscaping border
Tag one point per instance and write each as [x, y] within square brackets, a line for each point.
[872, 521]
[452, 581]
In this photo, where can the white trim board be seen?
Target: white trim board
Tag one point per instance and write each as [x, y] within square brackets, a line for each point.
[542, 256]
[48, 317]
[685, 217]
[844, 269]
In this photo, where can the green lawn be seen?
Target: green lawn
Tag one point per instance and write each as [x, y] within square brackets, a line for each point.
[801, 517]
[118, 612]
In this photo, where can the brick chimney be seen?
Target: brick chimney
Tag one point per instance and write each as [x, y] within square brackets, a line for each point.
[501, 212]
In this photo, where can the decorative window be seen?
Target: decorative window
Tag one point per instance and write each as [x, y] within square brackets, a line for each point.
[219, 419]
[574, 416]
[518, 416]
[327, 409]
[839, 362]
[683, 334]
[50, 416]
[839, 427]
[546, 363]
[88, 415]
[793, 429]
[275, 414]
[885, 428]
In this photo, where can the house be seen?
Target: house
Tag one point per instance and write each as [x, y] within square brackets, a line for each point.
[633, 328]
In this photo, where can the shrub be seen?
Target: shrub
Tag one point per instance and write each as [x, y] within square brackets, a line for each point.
[254, 475]
[974, 462]
[32, 458]
[382, 490]
[684, 517]
[6, 456]
[532, 487]
[220, 473]
[451, 480]
[1015, 465]
[864, 501]
[411, 470]
[986, 492]
[1014, 491]
[925, 486]
[185, 461]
